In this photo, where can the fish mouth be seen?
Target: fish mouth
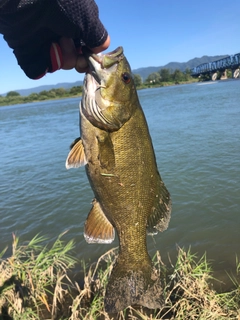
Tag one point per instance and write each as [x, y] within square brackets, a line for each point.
[93, 105]
[108, 59]
[99, 62]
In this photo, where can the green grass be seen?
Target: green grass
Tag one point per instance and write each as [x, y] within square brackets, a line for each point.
[35, 284]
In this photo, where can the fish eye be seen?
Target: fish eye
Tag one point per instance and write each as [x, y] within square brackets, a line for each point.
[126, 77]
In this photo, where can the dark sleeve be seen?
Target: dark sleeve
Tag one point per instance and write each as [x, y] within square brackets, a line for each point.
[31, 26]
[84, 15]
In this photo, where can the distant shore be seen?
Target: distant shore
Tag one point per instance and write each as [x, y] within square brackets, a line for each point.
[53, 94]
[43, 100]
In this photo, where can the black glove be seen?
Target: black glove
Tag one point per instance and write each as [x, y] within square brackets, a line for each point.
[33, 28]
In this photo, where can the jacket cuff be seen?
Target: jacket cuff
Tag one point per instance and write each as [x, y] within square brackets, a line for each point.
[56, 57]
[56, 60]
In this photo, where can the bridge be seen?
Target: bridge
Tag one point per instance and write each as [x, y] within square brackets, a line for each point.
[212, 68]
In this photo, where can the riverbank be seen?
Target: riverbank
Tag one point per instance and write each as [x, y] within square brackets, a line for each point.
[54, 94]
[4, 102]
[36, 283]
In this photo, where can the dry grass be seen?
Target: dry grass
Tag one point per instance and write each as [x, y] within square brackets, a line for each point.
[35, 284]
[33, 280]
[190, 294]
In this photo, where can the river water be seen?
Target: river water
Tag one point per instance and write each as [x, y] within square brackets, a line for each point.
[196, 135]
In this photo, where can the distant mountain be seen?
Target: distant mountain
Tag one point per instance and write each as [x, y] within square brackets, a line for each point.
[65, 85]
[145, 72]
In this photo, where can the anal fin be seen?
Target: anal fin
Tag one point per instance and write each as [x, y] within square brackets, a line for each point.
[76, 157]
[97, 228]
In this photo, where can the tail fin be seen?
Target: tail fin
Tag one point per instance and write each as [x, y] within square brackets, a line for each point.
[126, 288]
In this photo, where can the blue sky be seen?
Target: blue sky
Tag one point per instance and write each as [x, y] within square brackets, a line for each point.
[152, 33]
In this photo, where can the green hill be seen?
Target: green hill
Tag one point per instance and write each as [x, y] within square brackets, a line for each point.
[143, 72]
[182, 66]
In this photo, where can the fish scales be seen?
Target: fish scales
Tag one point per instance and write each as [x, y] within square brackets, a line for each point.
[130, 196]
[130, 185]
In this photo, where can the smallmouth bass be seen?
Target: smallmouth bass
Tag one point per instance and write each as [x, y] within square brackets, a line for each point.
[130, 196]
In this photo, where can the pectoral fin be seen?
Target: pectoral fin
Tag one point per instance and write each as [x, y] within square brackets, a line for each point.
[106, 151]
[76, 157]
[97, 227]
[159, 218]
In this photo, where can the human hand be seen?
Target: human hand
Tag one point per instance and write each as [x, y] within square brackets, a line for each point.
[46, 35]
[73, 58]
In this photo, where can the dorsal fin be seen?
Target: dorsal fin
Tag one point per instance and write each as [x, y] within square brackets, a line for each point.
[159, 218]
[76, 157]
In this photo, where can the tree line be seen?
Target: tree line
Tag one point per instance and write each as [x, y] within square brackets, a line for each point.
[162, 77]
[13, 97]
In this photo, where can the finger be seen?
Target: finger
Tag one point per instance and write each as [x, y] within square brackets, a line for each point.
[69, 53]
[102, 47]
[81, 64]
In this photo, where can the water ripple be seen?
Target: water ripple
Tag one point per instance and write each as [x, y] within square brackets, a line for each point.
[196, 136]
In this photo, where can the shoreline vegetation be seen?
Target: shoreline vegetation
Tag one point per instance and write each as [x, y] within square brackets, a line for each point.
[37, 282]
[165, 77]
[162, 78]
